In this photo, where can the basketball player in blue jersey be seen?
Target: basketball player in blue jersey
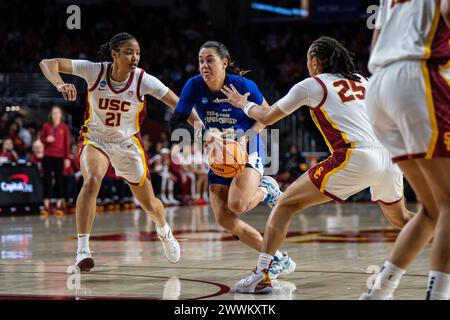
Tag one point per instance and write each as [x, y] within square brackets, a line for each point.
[231, 197]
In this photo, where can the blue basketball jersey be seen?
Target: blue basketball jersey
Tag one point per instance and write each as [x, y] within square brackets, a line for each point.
[196, 94]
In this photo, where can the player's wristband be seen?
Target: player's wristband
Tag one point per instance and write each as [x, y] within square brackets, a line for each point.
[248, 106]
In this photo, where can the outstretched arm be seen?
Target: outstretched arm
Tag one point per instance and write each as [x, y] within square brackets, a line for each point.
[51, 69]
[263, 114]
[258, 126]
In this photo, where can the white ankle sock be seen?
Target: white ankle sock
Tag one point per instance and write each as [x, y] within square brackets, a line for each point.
[387, 280]
[83, 242]
[163, 231]
[438, 286]
[264, 261]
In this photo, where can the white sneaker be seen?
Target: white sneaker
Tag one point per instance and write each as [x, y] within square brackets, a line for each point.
[84, 260]
[255, 283]
[171, 247]
[282, 267]
[273, 190]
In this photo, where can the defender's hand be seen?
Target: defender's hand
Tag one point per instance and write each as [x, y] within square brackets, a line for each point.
[234, 97]
[68, 91]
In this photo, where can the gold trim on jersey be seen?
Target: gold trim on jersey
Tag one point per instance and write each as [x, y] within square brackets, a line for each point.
[341, 166]
[426, 78]
[433, 29]
[344, 137]
[313, 116]
[86, 141]
[144, 163]
[431, 112]
[328, 119]
[343, 134]
[138, 127]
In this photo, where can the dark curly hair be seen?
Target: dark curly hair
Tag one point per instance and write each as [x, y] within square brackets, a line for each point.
[114, 44]
[334, 57]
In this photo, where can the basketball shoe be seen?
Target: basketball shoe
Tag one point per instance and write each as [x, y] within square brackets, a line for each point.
[256, 282]
[281, 266]
[84, 260]
[273, 190]
[171, 247]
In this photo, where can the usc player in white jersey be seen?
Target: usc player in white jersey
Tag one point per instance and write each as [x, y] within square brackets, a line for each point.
[409, 101]
[335, 95]
[111, 133]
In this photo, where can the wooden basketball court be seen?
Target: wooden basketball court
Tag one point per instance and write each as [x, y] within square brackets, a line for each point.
[334, 246]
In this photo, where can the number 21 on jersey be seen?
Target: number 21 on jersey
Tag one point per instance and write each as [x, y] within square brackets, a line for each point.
[113, 118]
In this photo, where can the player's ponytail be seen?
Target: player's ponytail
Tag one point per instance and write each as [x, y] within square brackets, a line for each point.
[223, 53]
[234, 69]
[334, 57]
[114, 44]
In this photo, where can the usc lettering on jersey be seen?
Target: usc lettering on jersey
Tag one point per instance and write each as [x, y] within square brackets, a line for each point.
[114, 115]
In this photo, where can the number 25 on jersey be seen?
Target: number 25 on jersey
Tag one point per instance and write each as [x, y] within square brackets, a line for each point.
[350, 90]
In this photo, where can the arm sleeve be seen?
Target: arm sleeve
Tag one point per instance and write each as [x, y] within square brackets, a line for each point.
[152, 86]
[87, 70]
[305, 93]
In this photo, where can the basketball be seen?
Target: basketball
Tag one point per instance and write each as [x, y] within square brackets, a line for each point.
[227, 159]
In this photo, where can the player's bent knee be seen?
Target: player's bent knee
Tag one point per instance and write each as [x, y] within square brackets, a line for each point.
[431, 216]
[289, 206]
[225, 222]
[92, 183]
[237, 206]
